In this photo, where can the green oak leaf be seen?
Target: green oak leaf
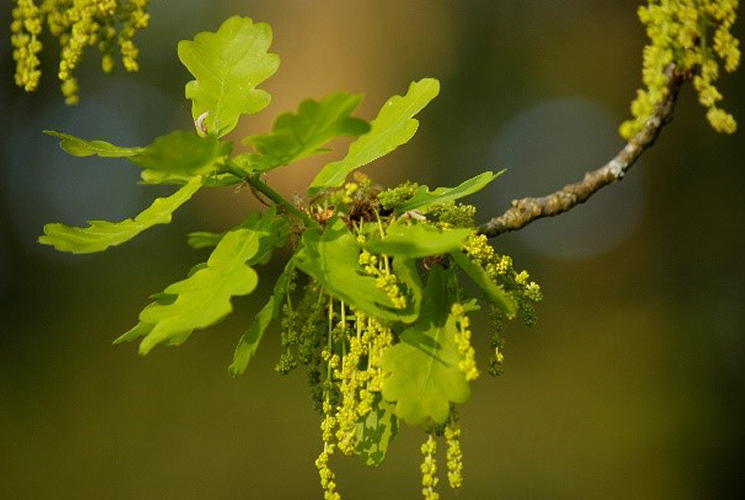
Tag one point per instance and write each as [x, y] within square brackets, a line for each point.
[274, 233]
[297, 136]
[376, 431]
[204, 239]
[479, 276]
[393, 127]
[101, 235]
[139, 330]
[249, 341]
[76, 146]
[331, 256]
[228, 65]
[171, 159]
[204, 298]
[179, 156]
[423, 196]
[423, 374]
[418, 240]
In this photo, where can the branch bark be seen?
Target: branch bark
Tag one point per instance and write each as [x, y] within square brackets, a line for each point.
[526, 210]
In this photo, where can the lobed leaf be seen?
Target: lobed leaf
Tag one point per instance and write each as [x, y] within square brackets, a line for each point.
[331, 256]
[376, 431]
[179, 156]
[479, 276]
[423, 196]
[297, 136]
[171, 159]
[418, 240]
[204, 298]
[228, 65]
[254, 220]
[101, 235]
[423, 374]
[249, 342]
[76, 146]
[393, 127]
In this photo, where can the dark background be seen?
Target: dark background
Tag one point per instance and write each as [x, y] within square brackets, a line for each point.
[632, 384]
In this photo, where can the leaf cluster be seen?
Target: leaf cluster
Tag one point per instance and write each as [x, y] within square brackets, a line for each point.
[378, 314]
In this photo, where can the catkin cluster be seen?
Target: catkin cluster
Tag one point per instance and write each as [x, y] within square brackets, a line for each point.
[343, 347]
[695, 36]
[78, 24]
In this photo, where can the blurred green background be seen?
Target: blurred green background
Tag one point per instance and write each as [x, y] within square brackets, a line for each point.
[632, 385]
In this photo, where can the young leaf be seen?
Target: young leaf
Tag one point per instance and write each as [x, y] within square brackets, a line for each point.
[424, 377]
[204, 297]
[255, 221]
[228, 65]
[268, 223]
[331, 257]
[249, 341]
[393, 127]
[424, 196]
[100, 235]
[139, 330]
[204, 239]
[180, 155]
[171, 159]
[297, 136]
[376, 432]
[418, 240]
[76, 146]
[479, 276]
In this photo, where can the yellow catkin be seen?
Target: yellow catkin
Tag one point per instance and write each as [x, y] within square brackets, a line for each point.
[454, 452]
[78, 24]
[25, 30]
[695, 36]
[467, 363]
[429, 469]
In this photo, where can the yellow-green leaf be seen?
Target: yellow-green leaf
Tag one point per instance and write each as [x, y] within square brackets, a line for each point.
[418, 240]
[393, 127]
[101, 235]
[249, 341]
[228, 65]
[76, 146]
[179, 156]
[204, 298]
[376, 431]
[491, 290]
[423, 374]
[423, 196]
[297, 136]
[331, 256]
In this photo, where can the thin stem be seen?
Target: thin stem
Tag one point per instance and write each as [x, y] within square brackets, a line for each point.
[260, 186]
[264, 189]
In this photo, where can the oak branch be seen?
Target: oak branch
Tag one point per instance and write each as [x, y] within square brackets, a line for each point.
[526, 210]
